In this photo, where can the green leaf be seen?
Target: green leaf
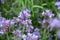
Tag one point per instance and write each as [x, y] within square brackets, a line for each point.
[37, 6]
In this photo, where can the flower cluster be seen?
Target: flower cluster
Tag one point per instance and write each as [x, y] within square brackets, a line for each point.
[25, 20]
[30, 36]
[25, 29]
[5, 24]
[49, 20]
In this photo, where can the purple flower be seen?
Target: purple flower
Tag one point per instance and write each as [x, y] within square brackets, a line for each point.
[12, 22]
[49, 13]
[58, 7]
[24, 22]
[36, 30]
[37, 34]
[57, 3]
[55, 23]
[21, 15]
[17, 32]
[24, 14]
[1, 32]
[2, 19]
[29, 28]
[7, 22]
[18, 20]
[32, 37]
[24, 37]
